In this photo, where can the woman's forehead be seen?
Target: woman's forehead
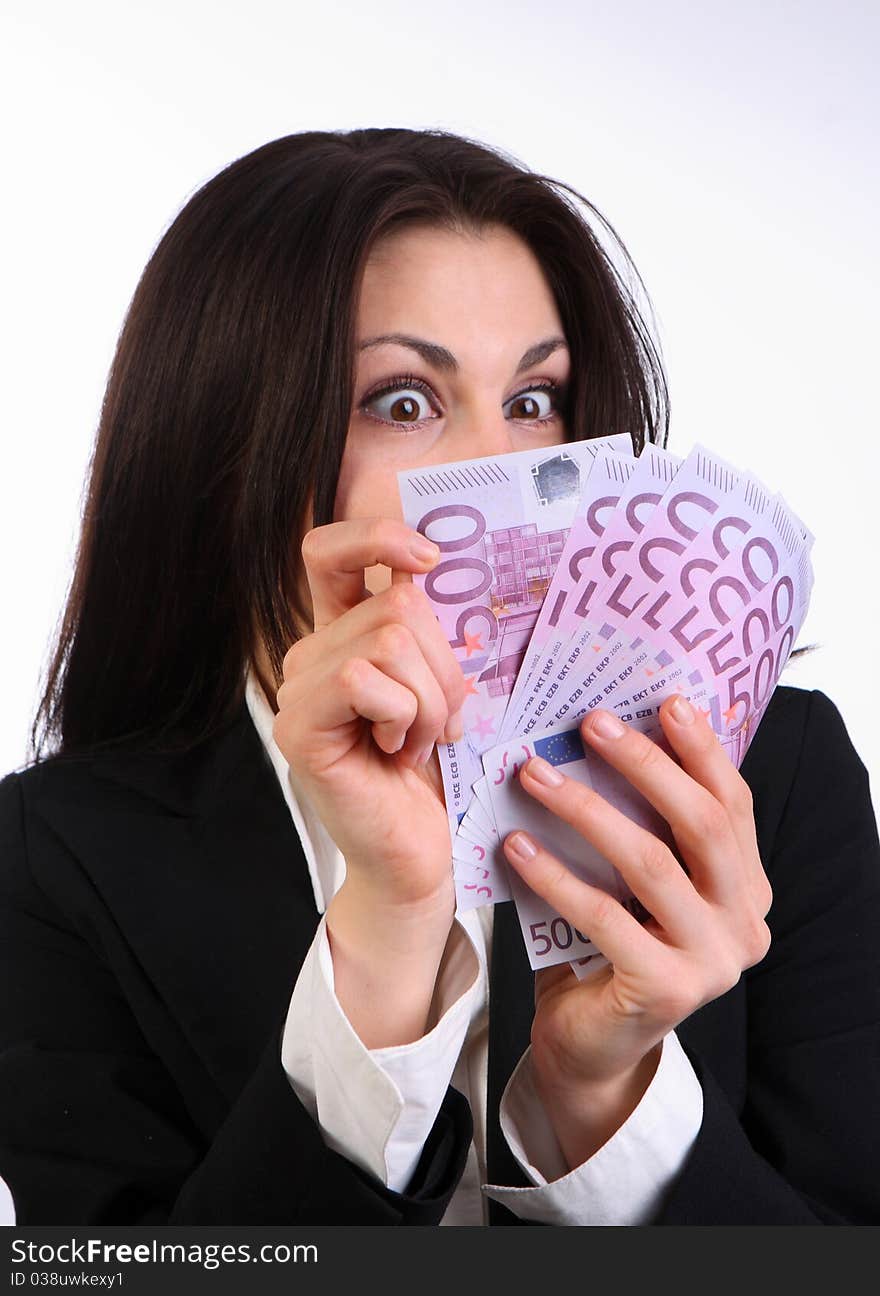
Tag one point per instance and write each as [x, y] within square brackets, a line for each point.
[446, 288]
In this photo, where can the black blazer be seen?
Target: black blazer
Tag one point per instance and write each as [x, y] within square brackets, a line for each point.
[155, 914]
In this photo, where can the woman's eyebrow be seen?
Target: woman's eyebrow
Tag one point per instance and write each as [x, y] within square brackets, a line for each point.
[440, 358]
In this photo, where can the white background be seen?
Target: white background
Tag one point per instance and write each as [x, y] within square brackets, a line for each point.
[733, 146]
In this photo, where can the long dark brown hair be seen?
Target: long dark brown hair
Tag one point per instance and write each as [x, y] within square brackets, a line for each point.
[229, 398]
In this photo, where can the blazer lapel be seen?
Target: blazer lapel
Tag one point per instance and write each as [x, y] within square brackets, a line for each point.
[511, 1009]
[199, 863]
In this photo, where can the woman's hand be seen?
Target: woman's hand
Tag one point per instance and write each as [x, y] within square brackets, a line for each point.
[596, 1043]
[364, 699]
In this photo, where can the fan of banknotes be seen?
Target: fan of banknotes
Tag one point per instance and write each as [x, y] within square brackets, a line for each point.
[580, 576]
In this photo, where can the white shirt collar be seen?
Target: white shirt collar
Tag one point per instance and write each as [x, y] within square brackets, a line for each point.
[324, 858]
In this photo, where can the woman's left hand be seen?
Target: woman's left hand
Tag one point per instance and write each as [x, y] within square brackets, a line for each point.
[596, 1043]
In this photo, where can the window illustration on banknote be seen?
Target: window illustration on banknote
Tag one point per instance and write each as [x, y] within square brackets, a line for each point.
[556, 478]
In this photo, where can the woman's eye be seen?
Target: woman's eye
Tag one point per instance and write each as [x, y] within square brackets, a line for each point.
[399, 405]
[536, 404]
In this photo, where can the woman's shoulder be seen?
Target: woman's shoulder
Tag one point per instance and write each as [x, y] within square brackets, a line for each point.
[87, 844]
[181, 781]
[59, 812]
[798, 723]
[803, 770]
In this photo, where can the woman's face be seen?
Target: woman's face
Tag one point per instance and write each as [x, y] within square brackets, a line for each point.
[488, 374]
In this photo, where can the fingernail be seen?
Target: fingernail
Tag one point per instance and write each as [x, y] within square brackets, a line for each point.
[425, 756]
[681, 709]
[424, 550]
[543, 772]
[520, 847]
[607, 725]
[455, 727]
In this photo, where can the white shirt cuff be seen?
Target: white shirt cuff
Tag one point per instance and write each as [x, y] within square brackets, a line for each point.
[377, 1106]
[624, 1181]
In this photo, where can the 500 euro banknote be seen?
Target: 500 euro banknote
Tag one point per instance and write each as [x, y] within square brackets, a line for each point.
[501, 524]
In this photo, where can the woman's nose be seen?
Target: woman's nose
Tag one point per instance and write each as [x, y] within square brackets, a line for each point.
[483, 431]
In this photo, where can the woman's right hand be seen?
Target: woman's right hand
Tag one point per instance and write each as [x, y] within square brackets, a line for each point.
[364, 699]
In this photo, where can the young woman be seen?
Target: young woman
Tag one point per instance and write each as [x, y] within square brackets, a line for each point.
[240, 991]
